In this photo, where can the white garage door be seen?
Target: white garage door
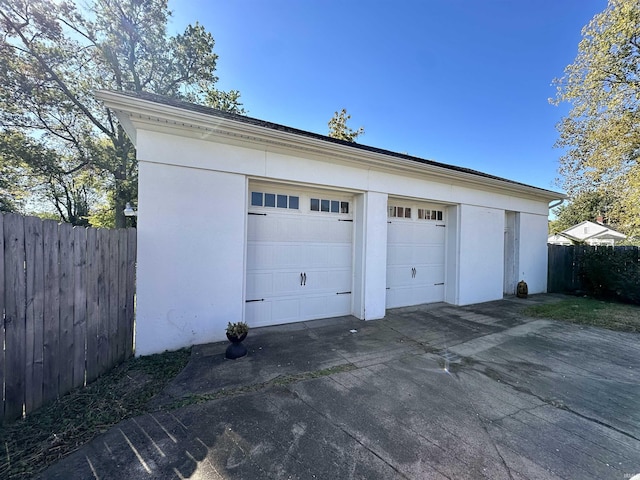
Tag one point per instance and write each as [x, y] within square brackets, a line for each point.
[415, 254]
[299, 256]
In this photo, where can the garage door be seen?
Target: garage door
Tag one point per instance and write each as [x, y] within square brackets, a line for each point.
[299, 256]
[415, 254]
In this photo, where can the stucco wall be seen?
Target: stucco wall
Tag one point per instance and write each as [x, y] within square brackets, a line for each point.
[175, 150]
[190, 275]
[481, 265]
[192, 233]
[533, 252]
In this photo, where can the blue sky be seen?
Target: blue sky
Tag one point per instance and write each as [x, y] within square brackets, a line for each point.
[463, 82]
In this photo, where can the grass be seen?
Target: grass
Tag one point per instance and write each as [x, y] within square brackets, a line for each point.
[61, 427]
[589, 311]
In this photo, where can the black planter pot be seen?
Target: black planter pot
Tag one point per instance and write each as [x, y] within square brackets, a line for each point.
[236, 349]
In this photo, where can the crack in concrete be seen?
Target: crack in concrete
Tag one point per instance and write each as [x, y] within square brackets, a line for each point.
[560, 405]
[356, 439]
[486, 431]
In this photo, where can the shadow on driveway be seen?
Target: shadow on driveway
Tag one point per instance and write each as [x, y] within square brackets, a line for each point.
[433, 391]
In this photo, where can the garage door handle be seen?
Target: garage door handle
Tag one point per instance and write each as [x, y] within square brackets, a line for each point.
[305, 279]
[300, 278]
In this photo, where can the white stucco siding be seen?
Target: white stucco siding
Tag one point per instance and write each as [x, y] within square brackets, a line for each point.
[192, 231]
[191, 240]
[375, 256]
[481, 254]
[326, 172]
[533, 252]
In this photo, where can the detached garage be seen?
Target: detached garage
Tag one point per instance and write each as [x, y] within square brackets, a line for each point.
[242, 219]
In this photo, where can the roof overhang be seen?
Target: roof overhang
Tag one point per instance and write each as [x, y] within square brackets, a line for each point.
[137, 112]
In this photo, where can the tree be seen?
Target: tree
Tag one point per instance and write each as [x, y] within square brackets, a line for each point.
[601, 134]
[338, 127]
[588, 205]
[54, 56]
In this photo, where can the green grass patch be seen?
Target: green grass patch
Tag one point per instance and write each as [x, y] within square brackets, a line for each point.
[61, 427]
[589, 311]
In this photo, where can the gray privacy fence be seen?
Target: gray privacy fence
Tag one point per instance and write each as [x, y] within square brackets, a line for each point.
[609, 272]
[67, 301]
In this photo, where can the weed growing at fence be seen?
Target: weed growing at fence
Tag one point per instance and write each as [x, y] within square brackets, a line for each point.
[58, 429]
[589, 311]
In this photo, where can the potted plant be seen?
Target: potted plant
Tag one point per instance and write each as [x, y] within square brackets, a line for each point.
[236, 333]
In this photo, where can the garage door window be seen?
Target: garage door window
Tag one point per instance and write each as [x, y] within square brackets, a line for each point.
[427, 214]
[329, 206]
[399, 212]
[273, 200]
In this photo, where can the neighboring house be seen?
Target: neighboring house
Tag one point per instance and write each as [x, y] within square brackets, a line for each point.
[242, 219]
[588, 233]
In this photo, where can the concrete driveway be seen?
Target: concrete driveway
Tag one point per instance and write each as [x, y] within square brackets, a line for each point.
[434, 391]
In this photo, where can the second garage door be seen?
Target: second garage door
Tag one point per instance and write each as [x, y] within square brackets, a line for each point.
[415, 254]
[299, 255]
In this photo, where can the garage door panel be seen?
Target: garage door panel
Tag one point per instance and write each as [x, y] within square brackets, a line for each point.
[325, 306]
[259, 284]
[415, 260]
[402, 254]
[398, 276]
[428, 254]
[281, 245]
[259, 312]
[341, 255]
[400, 296]
[401, 232]
[429, 274]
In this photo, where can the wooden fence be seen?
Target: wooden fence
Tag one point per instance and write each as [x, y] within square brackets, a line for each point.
[571, 268]
[67, 294]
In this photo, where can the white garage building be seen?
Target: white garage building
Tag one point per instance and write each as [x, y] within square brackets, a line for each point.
[241, 219]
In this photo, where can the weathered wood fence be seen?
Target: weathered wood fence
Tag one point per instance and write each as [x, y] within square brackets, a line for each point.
[67, 298]
[594, 270]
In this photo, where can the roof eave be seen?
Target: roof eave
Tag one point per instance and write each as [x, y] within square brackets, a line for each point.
[131, 110]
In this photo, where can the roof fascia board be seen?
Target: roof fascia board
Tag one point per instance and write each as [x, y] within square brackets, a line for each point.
[134, 112]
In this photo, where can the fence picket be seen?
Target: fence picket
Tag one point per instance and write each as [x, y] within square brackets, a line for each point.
[51, 343]
[34, 263]
[112, 291]
[93, 309]
[2, 333]
[15, 312]
[79, 305]
[122, 296]
[103, 301]
[67, 296]
[132, 251]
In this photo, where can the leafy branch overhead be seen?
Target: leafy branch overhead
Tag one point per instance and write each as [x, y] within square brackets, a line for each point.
[338, 127]
[53, 58]
[601, 134]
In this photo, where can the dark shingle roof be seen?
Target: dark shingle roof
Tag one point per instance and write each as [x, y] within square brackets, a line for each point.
[283, 128]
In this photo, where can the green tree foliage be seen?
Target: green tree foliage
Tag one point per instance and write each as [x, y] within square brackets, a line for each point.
[338, 127]
[601, 134]
[587, 205]
[53, 58]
